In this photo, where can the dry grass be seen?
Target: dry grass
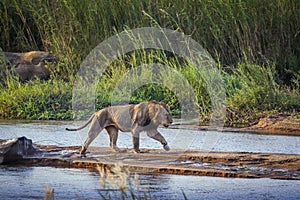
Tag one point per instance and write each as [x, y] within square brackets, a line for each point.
[49, 193]
[120, 179]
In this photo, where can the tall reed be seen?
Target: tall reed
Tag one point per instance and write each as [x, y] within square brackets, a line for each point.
[231, 31]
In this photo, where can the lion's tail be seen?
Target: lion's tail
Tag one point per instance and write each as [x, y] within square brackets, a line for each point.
[83, 126]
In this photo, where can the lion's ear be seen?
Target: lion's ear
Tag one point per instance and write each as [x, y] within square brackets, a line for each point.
[153, 101]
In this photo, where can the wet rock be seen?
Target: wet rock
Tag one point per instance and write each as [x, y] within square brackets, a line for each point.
[28, 65]
[16, 149]
[33, 57]
[279, 123]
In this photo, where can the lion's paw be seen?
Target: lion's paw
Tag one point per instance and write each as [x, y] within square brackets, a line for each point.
[166, 147]
[137, 151]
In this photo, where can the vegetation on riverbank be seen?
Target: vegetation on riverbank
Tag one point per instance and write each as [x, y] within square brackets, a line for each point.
[255, 43]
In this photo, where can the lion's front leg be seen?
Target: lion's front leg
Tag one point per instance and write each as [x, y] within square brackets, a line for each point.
[154, 134]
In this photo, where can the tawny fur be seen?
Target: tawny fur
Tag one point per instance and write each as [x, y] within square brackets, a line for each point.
[146, 116]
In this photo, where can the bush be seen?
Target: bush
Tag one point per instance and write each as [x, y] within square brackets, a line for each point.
[252, 91]
[36, 100]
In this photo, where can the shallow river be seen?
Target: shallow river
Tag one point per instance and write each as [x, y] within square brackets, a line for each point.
[30, 182]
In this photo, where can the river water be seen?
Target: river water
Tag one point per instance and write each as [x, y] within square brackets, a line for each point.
[30, 182]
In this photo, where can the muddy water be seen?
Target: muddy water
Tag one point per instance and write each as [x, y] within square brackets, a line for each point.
[30, 182]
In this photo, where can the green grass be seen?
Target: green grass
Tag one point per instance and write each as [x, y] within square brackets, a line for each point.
[254, 42]
[252, 92]
[36, 100]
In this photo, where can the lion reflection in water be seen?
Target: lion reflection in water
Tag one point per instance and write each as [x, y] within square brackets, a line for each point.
[146, 116]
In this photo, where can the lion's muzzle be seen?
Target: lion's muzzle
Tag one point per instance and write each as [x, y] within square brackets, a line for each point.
[169, 122]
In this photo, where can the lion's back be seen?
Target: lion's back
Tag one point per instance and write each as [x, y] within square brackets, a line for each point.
[122, 116]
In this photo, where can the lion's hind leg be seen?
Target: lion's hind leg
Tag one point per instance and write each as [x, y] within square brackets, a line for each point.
[113, 137]
[94, 130]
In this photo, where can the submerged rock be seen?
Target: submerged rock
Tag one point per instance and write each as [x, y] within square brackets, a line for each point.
[15, 149]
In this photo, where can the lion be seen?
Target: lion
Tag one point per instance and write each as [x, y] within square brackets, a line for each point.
[146, 116]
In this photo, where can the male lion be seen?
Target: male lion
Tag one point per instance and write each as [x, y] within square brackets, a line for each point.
[146, 116]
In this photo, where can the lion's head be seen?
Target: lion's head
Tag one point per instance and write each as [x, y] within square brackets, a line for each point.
[160, 113]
